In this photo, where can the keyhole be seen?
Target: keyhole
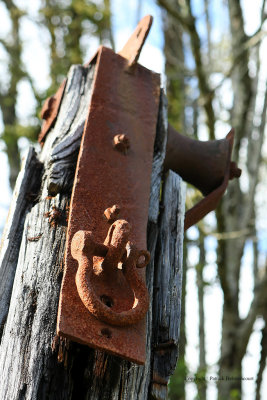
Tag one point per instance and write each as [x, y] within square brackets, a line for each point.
[107, 300]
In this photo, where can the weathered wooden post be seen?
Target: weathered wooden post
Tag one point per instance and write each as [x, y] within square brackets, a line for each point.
[35, 362]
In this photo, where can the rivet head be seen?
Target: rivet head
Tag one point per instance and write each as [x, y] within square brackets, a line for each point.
[235, 172]
[112, 213]
[121, 143]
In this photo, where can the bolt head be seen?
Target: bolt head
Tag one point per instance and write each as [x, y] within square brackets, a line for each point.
[112, 213]
[235, 172]
[121, 143]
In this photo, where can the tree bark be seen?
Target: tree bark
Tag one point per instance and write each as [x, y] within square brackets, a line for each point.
[34, 362]
[24, 193]
[202, 365]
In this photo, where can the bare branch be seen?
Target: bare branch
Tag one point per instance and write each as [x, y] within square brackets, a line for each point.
[207, 94]
[262, 360]
[253, 41]
[201, 329]
[208, 28]
[263, 13]
[174, 13]
[254, 156]
[4, 44]
[110, 34]
[258, 307]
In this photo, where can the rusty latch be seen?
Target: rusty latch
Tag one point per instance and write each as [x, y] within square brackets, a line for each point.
[104, 299]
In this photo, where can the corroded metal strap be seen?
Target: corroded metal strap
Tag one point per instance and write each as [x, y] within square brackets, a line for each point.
[84, 248]
[112, 181]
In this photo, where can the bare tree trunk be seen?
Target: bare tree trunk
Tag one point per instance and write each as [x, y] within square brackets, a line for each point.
[175, 70]
[34, 362]
[8, 98]
[236, 212]
[262, 363]
[202, 387]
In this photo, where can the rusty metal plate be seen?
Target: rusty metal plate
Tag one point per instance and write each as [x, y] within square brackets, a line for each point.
[109, 210]
[50, 111]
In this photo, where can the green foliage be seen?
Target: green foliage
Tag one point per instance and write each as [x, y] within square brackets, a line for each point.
[66, 21]
[174, 68]
[177, 381]
[176, 102]
[12, 133]
[235, 394]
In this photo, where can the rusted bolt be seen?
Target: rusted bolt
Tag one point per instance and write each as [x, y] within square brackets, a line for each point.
[143, 259]
[53, 215]
[235, 172]
[121, 143]
[112, 213]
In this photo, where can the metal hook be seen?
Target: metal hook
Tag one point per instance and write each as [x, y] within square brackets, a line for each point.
[115, 249]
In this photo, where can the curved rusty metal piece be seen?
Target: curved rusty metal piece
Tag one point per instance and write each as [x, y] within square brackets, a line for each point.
[202, 164]
[210, 202]
[116, 249]
[206, 165]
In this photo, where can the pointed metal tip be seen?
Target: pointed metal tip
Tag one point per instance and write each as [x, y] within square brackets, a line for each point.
[231, 134]
[132, 49]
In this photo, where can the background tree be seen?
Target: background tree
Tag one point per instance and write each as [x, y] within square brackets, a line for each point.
[236, 215]
[65, 23]
[8, 92]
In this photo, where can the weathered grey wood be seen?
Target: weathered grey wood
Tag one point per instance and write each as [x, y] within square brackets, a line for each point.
[158, 161]
[168, 285]
[25, 191]
[26, 347]
[34, 362]
[61, 148]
